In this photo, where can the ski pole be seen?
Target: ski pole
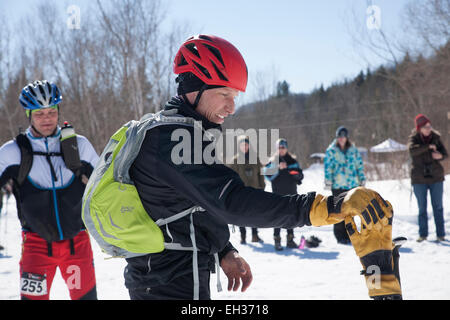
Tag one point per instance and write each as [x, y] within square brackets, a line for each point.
[5, 217]
[1, 220]
[2, 228]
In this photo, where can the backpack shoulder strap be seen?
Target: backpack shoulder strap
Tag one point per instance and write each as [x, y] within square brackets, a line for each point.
[26, 157]
[135, 134]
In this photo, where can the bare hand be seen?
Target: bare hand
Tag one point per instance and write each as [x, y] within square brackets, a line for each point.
[433, 147]
[436, 155]
[283, 165]
[236, 269]
[8, 187]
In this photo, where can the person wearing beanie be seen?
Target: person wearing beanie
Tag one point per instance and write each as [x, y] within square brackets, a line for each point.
[342, 132]
[427, 173]
[250, 174]
[344, 170]
[284, 182]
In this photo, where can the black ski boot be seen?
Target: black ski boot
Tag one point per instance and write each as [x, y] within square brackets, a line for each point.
[256, 238]
[278, 246]
[290, 242]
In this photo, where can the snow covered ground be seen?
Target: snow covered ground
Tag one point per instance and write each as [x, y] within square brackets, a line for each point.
[330, 271]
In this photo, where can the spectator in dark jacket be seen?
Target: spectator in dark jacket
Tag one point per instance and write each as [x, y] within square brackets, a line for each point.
[250, 174]
[427, 173]
[284, 182]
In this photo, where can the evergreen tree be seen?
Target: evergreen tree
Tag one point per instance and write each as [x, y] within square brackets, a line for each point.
[282, 89]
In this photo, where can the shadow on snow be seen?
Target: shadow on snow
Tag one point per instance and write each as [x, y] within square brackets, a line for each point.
[303, 254]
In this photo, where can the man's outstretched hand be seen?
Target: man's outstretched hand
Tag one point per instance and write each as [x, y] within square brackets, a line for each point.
[374, 248]
[373, 243]
[237, 270]
[361, 201]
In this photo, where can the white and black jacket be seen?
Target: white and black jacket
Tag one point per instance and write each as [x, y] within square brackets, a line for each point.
[48, 200]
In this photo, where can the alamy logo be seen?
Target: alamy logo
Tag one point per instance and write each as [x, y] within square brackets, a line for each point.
[74, 280]
[373, 21]
[215, 147]
[373, 278]
[74, 19]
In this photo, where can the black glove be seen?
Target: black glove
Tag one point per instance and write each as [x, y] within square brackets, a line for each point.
[312, 242]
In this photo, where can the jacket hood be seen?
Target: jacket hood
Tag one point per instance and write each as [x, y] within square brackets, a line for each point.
[335, 145]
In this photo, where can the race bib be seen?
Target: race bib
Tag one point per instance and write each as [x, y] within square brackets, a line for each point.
[33, 284]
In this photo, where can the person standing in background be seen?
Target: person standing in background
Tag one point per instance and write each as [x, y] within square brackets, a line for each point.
[284, 182]
[427, 173]
[250, 175]
[344, 170]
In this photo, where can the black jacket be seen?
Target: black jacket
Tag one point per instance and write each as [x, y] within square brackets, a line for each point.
[285, 181]
[166, 189]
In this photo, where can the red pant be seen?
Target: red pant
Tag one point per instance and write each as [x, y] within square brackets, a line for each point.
[75, 261]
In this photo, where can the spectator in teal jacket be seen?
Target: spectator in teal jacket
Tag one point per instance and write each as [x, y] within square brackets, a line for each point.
[344, 170]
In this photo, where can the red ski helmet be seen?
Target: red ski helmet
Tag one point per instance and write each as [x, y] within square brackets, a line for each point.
[213, 60]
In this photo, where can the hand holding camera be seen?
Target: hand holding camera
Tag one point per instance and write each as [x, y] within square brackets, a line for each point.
[436, 155]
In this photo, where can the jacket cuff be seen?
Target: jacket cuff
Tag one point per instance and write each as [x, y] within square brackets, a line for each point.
[229, 247]
[311, 196]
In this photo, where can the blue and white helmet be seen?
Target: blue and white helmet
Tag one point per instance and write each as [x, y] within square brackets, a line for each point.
[39, 95]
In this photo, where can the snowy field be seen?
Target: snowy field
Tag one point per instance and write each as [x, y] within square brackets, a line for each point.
[330, 271]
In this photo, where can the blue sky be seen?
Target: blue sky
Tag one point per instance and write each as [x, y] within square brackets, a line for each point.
[306, 42]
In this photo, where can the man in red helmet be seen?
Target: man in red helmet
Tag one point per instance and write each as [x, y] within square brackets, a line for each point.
[211, 73]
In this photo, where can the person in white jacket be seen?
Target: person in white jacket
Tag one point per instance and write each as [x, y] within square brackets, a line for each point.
[48, 196]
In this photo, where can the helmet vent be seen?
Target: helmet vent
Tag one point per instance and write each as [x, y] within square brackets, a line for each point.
[31, 90]
[220, 74]
[49, 88]
[27, 99]
[205, 38]
[41, 90]
[193, 48]
[57, 94]
[216, 53]
[183, 61]
[202, 70]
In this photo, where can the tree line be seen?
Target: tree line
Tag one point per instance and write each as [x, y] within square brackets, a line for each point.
[114, 68]
[374, 106]
[378, 103]
[117, 67]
